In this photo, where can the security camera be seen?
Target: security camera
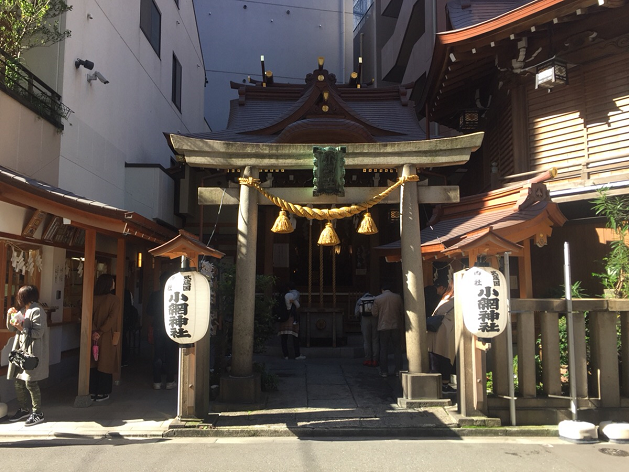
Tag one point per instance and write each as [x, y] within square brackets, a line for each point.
[97, 75]
[89, 65]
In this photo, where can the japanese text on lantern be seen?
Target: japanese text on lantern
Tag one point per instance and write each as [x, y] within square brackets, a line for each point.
[178, 312]
[488, 305]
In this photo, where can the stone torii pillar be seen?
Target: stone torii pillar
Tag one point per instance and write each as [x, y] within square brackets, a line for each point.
[242, 386]
[417, 382]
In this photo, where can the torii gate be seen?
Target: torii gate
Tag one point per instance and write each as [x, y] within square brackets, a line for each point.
[242, 386]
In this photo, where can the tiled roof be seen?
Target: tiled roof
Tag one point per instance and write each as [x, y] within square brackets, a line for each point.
[478, 11]
[133, 223]
[454, 228]
[9, 176]
[259, 107]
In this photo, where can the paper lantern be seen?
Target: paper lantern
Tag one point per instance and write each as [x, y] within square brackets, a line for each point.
[187, 307]
[485, 301]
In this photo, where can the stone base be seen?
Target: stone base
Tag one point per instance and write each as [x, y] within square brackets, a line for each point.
[83, 401]
[423, 403]
[421, 386]
[239, 394]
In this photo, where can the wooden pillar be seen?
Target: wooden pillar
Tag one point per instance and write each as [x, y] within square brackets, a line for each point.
[525, 275]
[624, 343]
[520, 129]
[199, 371]
[120, 288]
[464, 341]
[83, 397]
[580, 354]
[413, 276]
[605, 358]
[3, 282]
[551, 378]
[526, 354]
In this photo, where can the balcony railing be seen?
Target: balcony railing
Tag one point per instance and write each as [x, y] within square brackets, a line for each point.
[22, 85]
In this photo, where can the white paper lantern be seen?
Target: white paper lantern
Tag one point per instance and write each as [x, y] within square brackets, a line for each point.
[485, 302]
[187, 307]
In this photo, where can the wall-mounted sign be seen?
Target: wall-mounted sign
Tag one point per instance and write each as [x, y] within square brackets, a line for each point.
[485, 302]
[187, 307]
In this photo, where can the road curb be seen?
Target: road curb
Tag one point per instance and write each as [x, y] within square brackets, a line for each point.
[304, 432]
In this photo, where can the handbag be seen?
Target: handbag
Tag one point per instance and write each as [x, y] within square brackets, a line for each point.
[433, 322]
[22, 359]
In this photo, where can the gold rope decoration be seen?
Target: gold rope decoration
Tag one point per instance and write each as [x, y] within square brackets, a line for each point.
[325, 213]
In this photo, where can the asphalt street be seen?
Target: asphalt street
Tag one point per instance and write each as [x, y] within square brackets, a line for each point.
[330, 454]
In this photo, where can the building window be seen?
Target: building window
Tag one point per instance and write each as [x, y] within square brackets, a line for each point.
[150, 23]
[176, 96]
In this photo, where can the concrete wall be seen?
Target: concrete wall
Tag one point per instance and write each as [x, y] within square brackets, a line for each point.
[150, 191]
[122, 121]
[233, 38]
[30, 144]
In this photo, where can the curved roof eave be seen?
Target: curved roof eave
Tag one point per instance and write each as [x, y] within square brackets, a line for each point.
[496, 29]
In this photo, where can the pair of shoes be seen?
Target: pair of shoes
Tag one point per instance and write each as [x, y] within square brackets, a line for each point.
[34, 419]
[445, 388]
[20, 414]
[295, 322]
[157, 386]
[285, 357]
[170, 385]
[300, 358]
[367, 363]
[101, 398]
[383, 374]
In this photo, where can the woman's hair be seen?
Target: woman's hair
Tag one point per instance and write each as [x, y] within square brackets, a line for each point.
[104, 284]
[27, 294]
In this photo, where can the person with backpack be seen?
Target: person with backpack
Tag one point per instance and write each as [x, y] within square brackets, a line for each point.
[369, 328]
[286, 306]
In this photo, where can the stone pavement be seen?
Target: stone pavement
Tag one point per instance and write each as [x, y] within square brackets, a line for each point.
[318, 396]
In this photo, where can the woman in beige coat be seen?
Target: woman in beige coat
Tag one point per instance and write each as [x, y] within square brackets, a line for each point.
[105, 316]
[441, 343]
[32, 327]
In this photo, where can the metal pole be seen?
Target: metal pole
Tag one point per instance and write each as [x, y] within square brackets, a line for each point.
[510, 344]
[572, 368]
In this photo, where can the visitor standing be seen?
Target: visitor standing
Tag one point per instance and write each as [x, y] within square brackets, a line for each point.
[369, 329]
[105, 322]
[389, 308]
[29, 320]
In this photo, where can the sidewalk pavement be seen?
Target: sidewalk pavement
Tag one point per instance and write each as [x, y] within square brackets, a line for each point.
[316, 397]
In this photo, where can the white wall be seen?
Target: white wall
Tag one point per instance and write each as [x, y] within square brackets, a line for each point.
[124, 120]
[29, 144]
[150, 191]
[233, 39]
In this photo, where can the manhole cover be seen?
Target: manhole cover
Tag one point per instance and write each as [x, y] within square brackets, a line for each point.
[614, 452]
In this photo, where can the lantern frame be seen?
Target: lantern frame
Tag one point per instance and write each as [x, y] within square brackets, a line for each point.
[551, 73]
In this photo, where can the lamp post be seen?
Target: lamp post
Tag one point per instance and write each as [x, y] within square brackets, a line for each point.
[186, 319]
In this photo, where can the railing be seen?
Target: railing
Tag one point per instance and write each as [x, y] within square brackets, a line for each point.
[601, 373]
[22, 85]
